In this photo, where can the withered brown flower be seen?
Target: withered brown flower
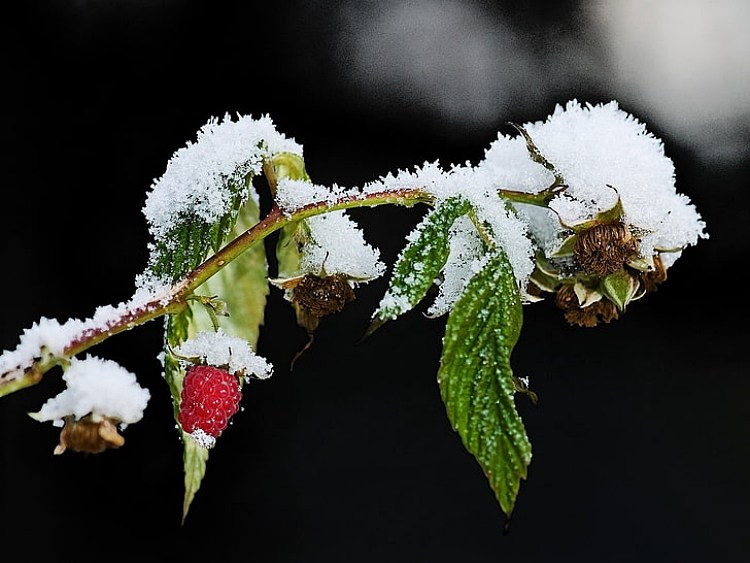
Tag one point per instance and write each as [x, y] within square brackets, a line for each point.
[602, 310]
[605, 248]
[314, 297]
[89, 434]
[650, 279]
[321, 296]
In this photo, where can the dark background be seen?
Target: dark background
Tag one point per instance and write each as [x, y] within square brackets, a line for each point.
[640, 439]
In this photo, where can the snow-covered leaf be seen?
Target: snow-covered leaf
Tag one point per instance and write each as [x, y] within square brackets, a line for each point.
[476, 379]
[189, 240]
[421, 261]
[242, 285]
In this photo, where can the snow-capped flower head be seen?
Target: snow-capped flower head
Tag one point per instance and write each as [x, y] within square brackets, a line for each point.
[606, 218]
[331, 256]
[100, 396]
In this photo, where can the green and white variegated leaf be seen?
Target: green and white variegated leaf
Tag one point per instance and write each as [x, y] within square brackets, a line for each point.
[422, 260]
[476, 380]
[243, 287]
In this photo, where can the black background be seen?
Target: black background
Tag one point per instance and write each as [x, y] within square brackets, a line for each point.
[640, 438]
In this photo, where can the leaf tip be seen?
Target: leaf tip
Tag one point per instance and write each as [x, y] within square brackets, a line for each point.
[506, 525]
[374, 325]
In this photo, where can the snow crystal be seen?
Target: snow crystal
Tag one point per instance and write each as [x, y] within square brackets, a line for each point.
[338, 246]
[294, 194]
[202, 439]
[54, 337]
[98, 387]
[602, 153]
[195, 181]
[464, 260]
[220, 349]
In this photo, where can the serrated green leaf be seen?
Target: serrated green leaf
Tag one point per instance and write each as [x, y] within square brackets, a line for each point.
[476, 380]
[188, 243]
[421, 261]
[243, 284]
[194, 459]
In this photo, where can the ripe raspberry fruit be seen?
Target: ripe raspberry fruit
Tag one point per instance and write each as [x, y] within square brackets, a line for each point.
[210, 396]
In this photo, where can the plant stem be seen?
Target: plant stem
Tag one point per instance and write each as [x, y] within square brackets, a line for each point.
[540, 199]
[175, 299]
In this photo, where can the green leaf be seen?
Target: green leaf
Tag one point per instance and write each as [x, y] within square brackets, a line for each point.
[620, 288]
[179, 328]
[243, 284]
[188, 243]
[421, 261]
[194, 460]
[476, 380]
[295, 234]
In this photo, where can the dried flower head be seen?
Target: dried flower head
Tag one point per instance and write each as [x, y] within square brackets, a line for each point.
[588, 315]
[652, 277]
[605, 248]
[90, 434]
[315, 297]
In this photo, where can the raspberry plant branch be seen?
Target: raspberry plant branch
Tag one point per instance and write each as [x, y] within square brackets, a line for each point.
[175, 298]
[581, 207]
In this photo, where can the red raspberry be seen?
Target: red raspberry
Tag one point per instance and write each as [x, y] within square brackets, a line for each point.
[210, 396]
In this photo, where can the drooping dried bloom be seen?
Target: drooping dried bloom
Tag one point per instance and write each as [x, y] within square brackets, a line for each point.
[605, 214]
[89, 434]
[321, 296]
[315, 297]
[100, 396]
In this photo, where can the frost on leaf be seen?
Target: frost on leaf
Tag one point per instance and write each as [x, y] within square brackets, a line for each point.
[465, 258]
[476, 380]
[421, 260]
[193, 205]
